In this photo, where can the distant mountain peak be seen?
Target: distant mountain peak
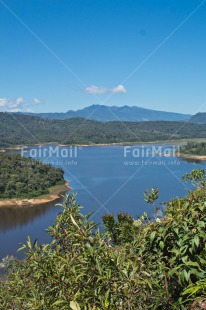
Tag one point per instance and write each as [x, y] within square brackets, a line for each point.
[113, 113]
[199, 118]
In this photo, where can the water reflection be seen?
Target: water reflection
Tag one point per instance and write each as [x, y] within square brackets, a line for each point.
[106, 183]
[14, 217]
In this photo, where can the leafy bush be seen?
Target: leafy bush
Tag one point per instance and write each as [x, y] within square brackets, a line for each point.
[135, 264]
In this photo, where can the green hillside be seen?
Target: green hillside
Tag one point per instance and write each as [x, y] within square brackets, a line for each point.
[26, 129]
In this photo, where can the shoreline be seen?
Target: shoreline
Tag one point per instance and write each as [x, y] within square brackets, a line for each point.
[18, 147]
[192, 156]
[53, 195]
[166, 142]
[182, 155]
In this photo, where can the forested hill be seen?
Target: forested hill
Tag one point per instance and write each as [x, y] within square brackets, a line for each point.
[199, 118]
[26, 178]
[26, 129]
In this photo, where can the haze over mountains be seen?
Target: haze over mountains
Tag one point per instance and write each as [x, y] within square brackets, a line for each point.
[126, 113]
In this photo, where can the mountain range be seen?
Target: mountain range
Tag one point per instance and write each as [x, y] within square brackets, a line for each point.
[126, 113]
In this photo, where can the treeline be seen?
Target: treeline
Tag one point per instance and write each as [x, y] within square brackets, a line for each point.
[194, 148]
[26, 178]
[26, 129]
[136, 264]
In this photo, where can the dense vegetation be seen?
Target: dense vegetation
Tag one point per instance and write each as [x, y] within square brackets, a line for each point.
[135, 264]
[26, 178]
[193, 148]
[26, 129]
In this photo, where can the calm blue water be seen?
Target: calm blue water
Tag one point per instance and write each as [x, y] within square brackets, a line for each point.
[107, 179]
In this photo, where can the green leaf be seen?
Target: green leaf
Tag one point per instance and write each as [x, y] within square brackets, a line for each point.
[194, 264]
[161, 244]
[196, 241]
[29, 243]
[58, 302]
[171, 261]
[186, 275]
[74, 305]
[175, 251]
[152, 236]
[201, 224]
[176, 230]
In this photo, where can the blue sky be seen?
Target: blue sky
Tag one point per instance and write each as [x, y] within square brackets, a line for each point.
[57, 55]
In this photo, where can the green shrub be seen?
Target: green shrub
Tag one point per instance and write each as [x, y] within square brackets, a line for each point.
[135, 264]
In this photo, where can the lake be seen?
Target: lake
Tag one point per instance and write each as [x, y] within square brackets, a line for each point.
[107, 179]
